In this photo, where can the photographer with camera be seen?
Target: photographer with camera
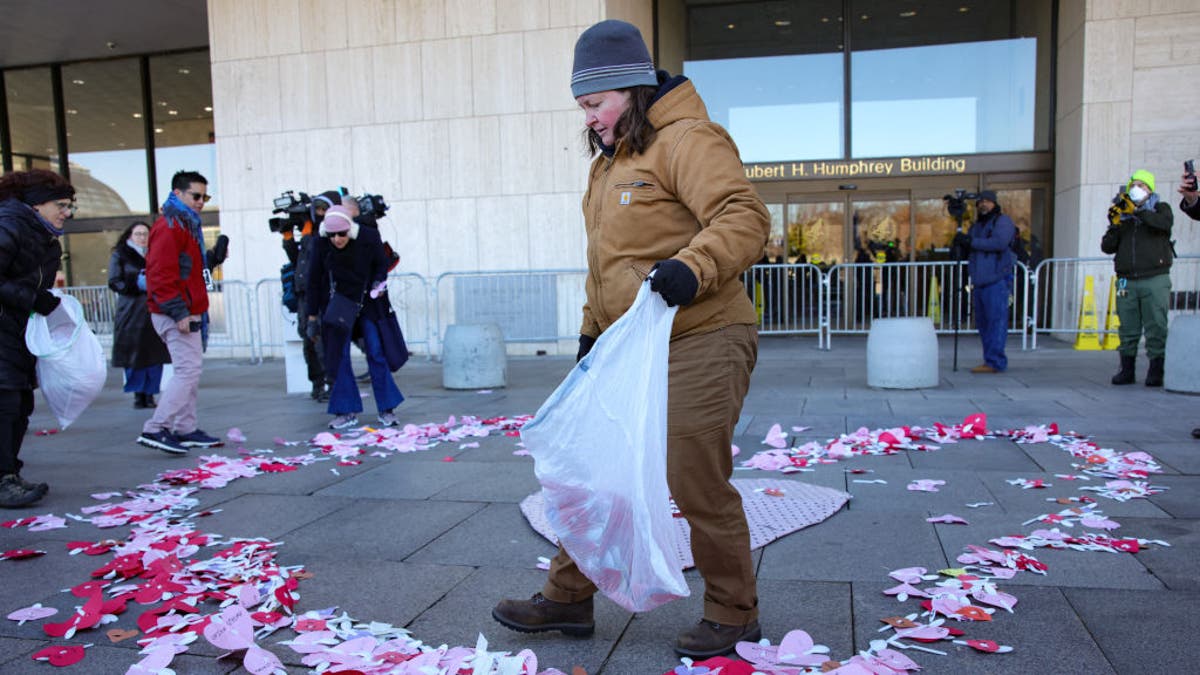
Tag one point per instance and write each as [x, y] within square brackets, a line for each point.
[299, 253]
[1139, 234]
[990, 259]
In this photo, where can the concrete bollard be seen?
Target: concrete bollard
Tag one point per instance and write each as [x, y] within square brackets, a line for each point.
[902, 353]
[1181, 369]
[473, 357]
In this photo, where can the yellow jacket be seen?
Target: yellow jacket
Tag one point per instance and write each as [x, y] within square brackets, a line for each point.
[686, 197]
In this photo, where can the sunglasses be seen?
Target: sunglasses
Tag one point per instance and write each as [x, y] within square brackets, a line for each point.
[203, 197]
[339, 234]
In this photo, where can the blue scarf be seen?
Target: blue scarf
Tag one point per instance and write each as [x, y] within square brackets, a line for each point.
[58, 232]
[175, 209]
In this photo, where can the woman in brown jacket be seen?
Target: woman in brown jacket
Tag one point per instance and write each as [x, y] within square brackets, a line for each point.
[667, 192]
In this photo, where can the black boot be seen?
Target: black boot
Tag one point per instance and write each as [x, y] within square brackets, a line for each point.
[139, 400]
[1125, 374]
[150, 402]
[1154, 374]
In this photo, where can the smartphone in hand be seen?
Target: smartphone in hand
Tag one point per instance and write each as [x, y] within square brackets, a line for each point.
[1189, 172]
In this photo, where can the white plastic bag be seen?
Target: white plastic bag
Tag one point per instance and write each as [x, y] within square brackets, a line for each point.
[71, 367]
[599, 444]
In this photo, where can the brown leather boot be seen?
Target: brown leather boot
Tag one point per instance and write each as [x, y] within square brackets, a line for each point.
[539, 614]
[709, 638]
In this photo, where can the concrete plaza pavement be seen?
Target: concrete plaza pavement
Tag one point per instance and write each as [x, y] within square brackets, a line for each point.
[432, 545]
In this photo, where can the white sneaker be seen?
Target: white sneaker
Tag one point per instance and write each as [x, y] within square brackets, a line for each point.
[344, 421]
[388, 419]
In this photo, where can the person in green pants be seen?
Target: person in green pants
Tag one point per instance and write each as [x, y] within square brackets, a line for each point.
[1140, 242]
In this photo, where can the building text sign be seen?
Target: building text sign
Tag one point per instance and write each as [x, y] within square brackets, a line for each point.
[856, 168]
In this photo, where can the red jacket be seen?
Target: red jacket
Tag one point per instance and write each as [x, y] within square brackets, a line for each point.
[175, 271]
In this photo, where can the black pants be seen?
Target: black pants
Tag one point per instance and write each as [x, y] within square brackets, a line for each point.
[16, 405]
[312, 358]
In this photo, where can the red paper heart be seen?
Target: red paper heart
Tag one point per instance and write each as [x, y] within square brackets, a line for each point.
[62, 655]
[20, 554]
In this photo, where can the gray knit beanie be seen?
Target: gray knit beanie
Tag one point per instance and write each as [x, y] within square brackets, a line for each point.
[611, 55]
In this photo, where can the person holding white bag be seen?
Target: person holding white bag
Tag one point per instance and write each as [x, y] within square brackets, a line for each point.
[34, 207]
[667, 192]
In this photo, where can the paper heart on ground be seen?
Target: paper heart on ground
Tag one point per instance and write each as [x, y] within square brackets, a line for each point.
[83, 618]
[60, 655]
[157, 660]
[948, 518]
[912, 575]
[21, 554]
[985, 646]
[33, 612]
[232, 629]
[235, 435]
[925, 485]
[905, 591]
[776, 437]
[974, 426]
[262, 662]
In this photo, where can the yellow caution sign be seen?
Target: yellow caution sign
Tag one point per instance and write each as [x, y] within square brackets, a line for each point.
[1086, 339]
[933, 308]
[1112, 322]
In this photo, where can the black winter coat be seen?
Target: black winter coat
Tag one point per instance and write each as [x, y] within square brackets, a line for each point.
[29, 258]
[135, 344]
[1142, 243]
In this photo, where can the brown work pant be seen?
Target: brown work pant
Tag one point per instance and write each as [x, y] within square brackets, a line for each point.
[708, 378]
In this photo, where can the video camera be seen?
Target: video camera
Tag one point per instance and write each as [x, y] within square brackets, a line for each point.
[371, 206]
[1122, 205]
[294, 210]
[956, 204]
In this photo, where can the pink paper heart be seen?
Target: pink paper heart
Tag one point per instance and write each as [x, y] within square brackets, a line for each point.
[758, 652]
[797, 648]
[157, 659]
[32, 613]
[776, 438]
[231, 629]
[260, 661]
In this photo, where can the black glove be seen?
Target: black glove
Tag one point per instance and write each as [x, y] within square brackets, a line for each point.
[219, 252]
[674, 281]
[962, 240]
[585, 346]
[313, 330]
[45, 302]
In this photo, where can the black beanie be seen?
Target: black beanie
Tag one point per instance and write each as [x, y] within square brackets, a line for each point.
[611, 55]
[989, 195]
[40, 194]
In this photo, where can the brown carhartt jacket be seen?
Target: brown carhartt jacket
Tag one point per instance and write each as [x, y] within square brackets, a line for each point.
[686, 197]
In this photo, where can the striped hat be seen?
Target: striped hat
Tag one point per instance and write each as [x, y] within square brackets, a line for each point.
[611, 55]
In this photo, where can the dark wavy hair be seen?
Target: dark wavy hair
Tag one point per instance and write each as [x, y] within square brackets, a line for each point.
[128, 233]
[633, 126]
[16, 183]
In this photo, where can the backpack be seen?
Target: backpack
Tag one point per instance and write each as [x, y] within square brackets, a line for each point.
[1019, 248]
[287, 276]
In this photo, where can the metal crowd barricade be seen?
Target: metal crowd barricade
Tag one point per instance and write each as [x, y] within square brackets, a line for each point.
[858, 293]
[531, 306]
[411, 298]
[99, 309]
[231, 321]
[787, 298]
[1057, 288]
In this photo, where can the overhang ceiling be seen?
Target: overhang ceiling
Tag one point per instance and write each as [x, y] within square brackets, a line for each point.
[49, 31]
